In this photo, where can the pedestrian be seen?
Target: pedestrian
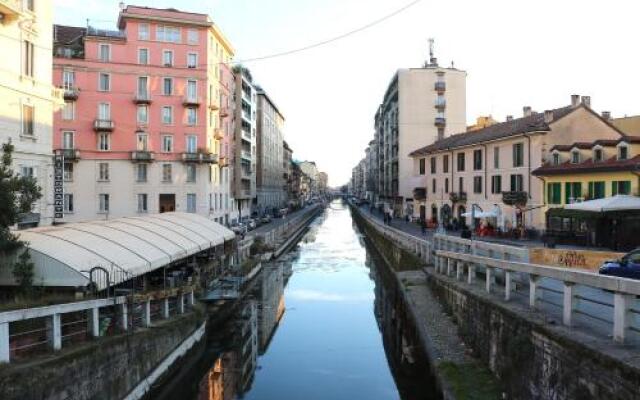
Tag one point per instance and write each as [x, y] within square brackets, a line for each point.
[423, 226]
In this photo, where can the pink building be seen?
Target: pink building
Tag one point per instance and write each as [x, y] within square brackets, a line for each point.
[142, 128]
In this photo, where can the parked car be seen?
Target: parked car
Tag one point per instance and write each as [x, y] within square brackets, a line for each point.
[251, 224]
[239, 229]
[626, 267]
[265, 219]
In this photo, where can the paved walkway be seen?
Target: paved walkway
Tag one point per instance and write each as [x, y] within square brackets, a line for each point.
[276, 222]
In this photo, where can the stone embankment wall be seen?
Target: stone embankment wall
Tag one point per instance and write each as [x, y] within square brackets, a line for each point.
[109, 368]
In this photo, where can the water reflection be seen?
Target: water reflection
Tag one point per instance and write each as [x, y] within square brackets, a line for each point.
[318, 324]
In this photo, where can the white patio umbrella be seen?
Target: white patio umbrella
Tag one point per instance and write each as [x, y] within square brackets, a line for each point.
[615, 203]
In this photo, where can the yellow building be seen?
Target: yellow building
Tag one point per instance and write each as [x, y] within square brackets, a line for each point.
[481, 123]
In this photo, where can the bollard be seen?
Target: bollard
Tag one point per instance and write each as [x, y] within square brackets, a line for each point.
[568, 303]
[459, 270]
[93, 321]
[146, 317]
[507, 285]
[621, 316]
[165, 308]
[489, 273]
[54, 332]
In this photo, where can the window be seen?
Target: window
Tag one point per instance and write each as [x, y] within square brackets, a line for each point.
[596, 190]
[28, 5]
[623, 153]
[104, 52]
[554, 193]
[143, 87]
[192, 143]
[192, 60]
[575, 157]
[192, 116]
[68, 79]
[191, 173]
[477, 184]
[103, 172]
[433, 185]
[27, 119]
[168, 34]
[496, 157]
[461, 184]
[142, 203]
[445, 163]
[496, 184]
[192, 36]
[142, 115]
[103, 199]
[167, 86]
[143, 31]
[460, 161]
[518, 155]
[167, 144]
[68, 203]
[143, 56]
[192, 89]
[104, 83]
[422, 166]
[620, 187]
[104, 111]
[27, 58]
[68, 172]
[141, 173]
[433, 165]
[104, 142]
[167, 58]
[167, 115]
[166, 172]
[517, 183]
[597, 155]
[27, 171]
[556, 158]
[446, 185]
[69, 111]
[477, 160]
[572, 192]
[191, 202]
[142, 142]
[67, 140]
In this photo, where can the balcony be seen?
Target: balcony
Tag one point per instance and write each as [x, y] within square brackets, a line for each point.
[246, 135]
[208, 158]
[218, 134]
[70, 93]
[191, 101]
[10, 9]
[440, 121]
[441, 104]
[224, 112]
[246, 154]
[419, 193]
[142, 98]
[515, 198]
[103, 125]
[213, 106]
[245, 173]
[458, 197]
[440, 87]
[69, 154]
[246, 115]
[142, 156]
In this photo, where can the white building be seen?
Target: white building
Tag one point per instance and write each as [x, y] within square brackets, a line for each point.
[28, 97]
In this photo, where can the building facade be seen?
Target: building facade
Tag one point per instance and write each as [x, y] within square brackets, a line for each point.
[245, 160]
[270, 180]
[420, 106]
[29, 99]
[141, 130]
[310, 169]
[490, 170]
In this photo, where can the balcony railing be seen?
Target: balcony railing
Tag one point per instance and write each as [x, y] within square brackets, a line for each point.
[246, 154]
[458, 197]
[69, 154]
[440, 104]
[246, 173]
[213, 106]
[142, 156]
[191, 101]
[218, 134]
[514, 198]
[246, 134]
[246, 115]
[208, 158]
[224, 112]
[440, 86]
[103, 125]
[70, 93]
[142, 98]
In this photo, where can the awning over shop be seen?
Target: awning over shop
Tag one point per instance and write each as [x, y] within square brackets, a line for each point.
[615, 203]
[63, 255]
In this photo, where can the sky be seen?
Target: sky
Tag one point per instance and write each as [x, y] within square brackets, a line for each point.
[515, 52]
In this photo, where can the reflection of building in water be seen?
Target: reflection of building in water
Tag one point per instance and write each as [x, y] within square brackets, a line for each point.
[271, 308]
[232, 373]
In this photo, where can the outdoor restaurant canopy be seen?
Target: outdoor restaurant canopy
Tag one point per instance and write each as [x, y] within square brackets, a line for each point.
[63, 255]
[615, 203]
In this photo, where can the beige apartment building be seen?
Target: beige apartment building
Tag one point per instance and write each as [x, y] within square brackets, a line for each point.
[489, 170]
[28, 97]
[420, 106]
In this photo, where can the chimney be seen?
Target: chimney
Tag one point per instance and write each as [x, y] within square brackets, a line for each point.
[606, 115]
[509, 118]
[586, 100]
[575, 100]
[548, 116]
[526, 111]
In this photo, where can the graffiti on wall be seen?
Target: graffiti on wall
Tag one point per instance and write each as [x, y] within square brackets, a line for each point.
[572, 259]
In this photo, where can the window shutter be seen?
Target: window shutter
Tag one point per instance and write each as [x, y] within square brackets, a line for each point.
[626, 187]
[567, 192]
[614, 188]
[590, 190]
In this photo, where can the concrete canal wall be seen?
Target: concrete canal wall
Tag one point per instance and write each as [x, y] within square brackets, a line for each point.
[532, 355]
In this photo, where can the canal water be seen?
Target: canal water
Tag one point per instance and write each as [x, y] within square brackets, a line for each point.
[316, 324]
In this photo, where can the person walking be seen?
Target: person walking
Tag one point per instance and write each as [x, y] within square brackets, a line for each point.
[423, 226]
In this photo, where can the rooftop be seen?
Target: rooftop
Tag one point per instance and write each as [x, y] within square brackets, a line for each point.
[588, 166]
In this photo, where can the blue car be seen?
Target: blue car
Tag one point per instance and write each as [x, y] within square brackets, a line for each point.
[627, 267]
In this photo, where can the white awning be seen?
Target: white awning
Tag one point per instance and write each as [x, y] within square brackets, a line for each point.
[615, 203]
[482, 214]
[63, 255]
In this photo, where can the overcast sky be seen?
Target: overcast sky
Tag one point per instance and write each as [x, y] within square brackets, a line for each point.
[516, 53]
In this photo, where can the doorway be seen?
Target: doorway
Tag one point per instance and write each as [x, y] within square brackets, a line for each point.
[167, 203]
